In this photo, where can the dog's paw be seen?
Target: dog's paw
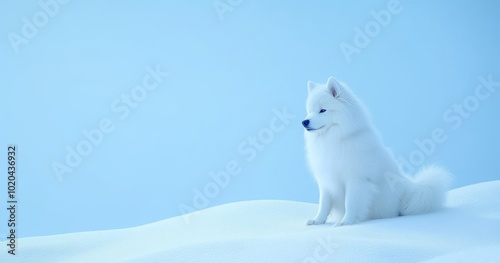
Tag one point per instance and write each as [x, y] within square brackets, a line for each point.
[345, 223]
[314, 222]
[340, 224]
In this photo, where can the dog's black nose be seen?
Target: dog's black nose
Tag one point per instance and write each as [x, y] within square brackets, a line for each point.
[305, 123]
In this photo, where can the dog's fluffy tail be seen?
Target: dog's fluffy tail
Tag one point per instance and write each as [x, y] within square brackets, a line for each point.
[426, 192]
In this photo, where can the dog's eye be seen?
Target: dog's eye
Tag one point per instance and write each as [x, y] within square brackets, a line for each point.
[322, 110]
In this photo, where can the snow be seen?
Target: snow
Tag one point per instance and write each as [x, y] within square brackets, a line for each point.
[467, 230]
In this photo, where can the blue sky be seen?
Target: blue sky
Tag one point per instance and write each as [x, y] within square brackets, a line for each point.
[226, 80]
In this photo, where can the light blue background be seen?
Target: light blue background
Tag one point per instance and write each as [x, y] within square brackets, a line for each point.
[226, 77]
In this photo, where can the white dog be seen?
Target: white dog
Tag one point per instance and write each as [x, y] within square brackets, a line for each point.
[358, 178]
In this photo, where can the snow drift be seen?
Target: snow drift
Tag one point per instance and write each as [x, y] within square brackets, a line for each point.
[468, 229]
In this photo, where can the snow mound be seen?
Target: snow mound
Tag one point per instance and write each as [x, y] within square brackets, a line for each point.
[274, 231]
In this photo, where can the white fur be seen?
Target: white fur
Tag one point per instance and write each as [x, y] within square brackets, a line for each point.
[358, 178]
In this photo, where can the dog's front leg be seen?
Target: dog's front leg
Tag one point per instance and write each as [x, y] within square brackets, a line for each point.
[357, 202]
[324, 209]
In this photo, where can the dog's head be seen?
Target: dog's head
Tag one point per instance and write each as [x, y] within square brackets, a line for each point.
[325, 105]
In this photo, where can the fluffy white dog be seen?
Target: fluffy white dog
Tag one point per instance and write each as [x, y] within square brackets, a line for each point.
[358, 178]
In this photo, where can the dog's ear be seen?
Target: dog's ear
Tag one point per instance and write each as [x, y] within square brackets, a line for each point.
[333, 85]
[311, 85]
